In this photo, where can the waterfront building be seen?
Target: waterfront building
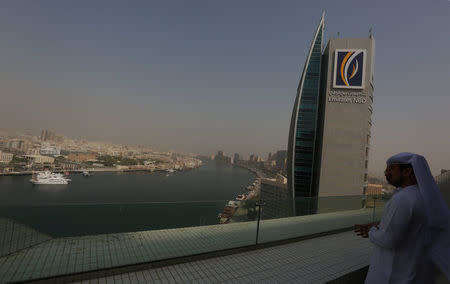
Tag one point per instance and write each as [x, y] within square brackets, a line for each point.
[39, 159]
[98, 165]
[82, 157]
[329, 135]
[237, 157]
[5, 157]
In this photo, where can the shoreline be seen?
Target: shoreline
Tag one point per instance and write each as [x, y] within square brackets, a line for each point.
[99, 170]
[258, 173]
[236, 205]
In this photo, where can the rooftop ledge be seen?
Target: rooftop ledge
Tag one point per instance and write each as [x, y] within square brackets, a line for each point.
[88, 257]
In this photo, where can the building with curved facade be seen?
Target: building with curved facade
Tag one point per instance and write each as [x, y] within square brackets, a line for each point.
[329, 134]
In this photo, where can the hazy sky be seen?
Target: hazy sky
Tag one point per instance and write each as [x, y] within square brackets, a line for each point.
[199, 76]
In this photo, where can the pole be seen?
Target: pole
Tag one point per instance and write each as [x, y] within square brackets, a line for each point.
[259, 204]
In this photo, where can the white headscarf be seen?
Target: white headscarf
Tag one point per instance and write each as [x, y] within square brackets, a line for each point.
[438, 214]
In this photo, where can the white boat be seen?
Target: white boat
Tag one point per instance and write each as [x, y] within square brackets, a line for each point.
[86, 174]
[170, 170]
[241, 197]
[49, 178]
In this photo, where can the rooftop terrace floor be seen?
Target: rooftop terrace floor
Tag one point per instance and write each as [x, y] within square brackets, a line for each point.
[316, 260]
[49, 258]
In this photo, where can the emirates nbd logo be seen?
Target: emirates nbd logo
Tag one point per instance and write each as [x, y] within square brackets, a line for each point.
[349, 68]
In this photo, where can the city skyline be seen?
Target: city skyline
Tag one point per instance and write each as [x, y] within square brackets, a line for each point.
[202, 77]
[37, 135]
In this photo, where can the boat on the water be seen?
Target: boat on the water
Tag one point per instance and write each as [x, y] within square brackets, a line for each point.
[241, 197]
[86, 174]
[49, 178]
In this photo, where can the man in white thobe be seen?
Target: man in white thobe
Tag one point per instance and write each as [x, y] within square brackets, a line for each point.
[413, 235]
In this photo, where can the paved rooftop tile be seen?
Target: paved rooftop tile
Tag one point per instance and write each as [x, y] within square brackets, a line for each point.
[15, 236]
[315, 260]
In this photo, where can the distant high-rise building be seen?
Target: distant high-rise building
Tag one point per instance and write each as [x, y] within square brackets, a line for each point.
[255, 158]
[237, 157]
[221, 157]
[47, 135]
[3, 143]
[18, 145]
[329, 136]
[43, 135]
[280, 159]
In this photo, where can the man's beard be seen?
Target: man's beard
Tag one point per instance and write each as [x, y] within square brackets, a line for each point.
[397, 183]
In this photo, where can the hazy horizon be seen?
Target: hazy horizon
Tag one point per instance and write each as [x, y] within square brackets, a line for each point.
[203, 76]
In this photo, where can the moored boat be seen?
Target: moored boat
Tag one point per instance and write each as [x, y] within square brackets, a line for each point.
[49, 178]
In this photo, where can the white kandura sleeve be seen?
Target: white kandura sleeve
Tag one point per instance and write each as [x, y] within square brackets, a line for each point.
[393, 225]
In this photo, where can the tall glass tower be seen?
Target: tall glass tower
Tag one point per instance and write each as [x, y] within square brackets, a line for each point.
[329, 135]
[302, 132]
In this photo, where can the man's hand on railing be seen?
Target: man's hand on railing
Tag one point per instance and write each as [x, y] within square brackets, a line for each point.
[363, 229]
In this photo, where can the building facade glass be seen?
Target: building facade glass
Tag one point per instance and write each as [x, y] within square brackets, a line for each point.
[302, 133]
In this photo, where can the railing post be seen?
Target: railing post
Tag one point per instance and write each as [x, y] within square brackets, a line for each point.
[259, 204]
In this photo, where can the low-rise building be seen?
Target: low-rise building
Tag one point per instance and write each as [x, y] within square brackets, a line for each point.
[82, 157]
[5, 157]
[50, 150]
[38, 159]
[98, 165]
[121, 167]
